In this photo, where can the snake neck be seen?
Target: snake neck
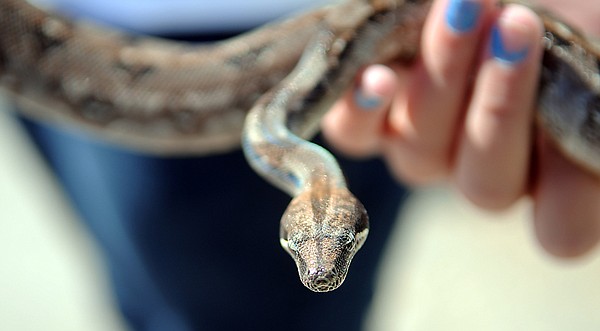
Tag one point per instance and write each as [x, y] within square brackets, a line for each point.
[288, 162]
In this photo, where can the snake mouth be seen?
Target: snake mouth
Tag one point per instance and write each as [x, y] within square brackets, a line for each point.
[320, 280]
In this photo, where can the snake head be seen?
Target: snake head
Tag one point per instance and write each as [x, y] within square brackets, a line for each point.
[322, 231]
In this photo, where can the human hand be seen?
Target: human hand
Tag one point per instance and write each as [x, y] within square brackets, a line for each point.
[464, 112]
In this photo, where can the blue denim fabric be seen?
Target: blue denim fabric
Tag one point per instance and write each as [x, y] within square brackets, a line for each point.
[192, 243]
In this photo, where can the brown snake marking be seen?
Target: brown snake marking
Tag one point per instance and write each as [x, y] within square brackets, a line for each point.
[167, 98]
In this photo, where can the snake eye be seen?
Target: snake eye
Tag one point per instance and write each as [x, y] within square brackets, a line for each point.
[347, 240]
[291, 245]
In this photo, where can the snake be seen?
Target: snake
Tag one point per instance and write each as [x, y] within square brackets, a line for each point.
[266, 91]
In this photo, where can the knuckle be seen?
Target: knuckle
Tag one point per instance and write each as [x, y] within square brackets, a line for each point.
[415, 168]
[494, 196]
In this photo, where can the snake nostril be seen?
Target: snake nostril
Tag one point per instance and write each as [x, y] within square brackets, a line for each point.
[321, 281]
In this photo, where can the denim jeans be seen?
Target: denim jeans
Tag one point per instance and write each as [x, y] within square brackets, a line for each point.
[191, 243]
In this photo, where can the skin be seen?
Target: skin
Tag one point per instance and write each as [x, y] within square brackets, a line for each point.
[461, 116]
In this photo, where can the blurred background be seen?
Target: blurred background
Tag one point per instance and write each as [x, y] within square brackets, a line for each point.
[449, 266]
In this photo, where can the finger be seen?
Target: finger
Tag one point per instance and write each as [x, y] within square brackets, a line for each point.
[567, 208]
[354, 124]
[492, 165]
[425, 115]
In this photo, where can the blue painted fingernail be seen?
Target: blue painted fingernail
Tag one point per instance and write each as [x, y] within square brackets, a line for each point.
[503, 52]
[462, 15]
[366, 102]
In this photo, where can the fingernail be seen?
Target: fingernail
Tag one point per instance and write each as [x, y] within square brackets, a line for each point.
[365, 101]
[510, 42]
[462, 15]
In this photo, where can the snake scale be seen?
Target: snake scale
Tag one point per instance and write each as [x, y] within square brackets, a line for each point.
[168, 97]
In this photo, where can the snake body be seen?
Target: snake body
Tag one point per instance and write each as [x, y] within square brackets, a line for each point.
[171, 98]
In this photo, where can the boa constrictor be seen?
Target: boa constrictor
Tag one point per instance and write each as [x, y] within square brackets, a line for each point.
[167, 97]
